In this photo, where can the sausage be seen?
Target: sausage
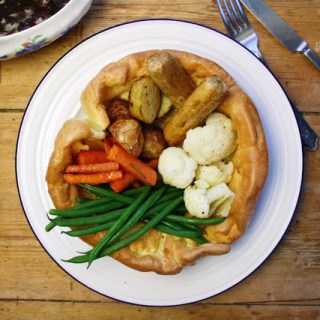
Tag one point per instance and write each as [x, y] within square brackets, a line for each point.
[205, 98]
[170, 77]
[128, 134]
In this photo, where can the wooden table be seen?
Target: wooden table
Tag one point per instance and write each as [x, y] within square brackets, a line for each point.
[287, 285]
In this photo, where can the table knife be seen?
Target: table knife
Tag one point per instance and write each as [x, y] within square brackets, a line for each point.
[281, 30]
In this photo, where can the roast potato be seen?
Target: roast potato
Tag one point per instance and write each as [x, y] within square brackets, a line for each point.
[154, 142]
[165, 107]
[128, 134]
[144, 100]
[118, 109]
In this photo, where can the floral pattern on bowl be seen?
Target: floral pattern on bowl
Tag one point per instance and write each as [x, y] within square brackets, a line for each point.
[36, 43]
[34, 38]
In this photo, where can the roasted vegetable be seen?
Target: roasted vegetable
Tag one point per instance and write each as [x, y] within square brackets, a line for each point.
[154, 142]
[118, 109]
[128, 133]
[144, 100]
[165, 107]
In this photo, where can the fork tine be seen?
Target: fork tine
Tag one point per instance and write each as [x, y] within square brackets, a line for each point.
[243, 15]
[238, 26]
[231, 15]
[224, 18]
[235, 13]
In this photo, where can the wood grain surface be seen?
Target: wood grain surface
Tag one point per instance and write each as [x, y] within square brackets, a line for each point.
[285, 286]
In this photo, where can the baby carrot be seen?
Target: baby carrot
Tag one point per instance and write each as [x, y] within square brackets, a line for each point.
[93, 178]
[92, 167]
[91, 156]
[119, 185]
[130, 180]
[153, 163]
[132, 165]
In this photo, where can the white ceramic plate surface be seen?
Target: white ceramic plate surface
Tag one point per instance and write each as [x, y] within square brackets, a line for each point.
[57, 99]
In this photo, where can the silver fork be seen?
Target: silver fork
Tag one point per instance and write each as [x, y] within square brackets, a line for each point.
[239, 28]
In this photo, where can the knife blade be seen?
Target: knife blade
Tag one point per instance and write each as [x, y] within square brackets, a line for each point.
[281, 30]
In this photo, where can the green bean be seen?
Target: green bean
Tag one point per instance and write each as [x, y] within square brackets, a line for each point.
[109, 193]
[50, 226]
[181, 233]
[181, 209]
[134, 191]
[133, 236]
[90, 230]
[172, 225]
[176, 229]
[85, 221]
[159, 184]
[195, 221]
[131, 192]
[191, 227]
[179, 222]
[102, 218]
[82, 209]
[81, 200]
[116, 214]
[98, 191]
[138, 214]
[87, 204]
[90, 203]
[157, 207]
[170, 195]
[114, 229]
[180, 226]
[86, 212]
[88, 208]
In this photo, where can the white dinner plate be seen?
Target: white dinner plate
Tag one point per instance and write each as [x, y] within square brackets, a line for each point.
[57, 99]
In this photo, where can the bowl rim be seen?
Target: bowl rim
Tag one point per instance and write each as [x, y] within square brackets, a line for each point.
[50, 29]
[45, 22]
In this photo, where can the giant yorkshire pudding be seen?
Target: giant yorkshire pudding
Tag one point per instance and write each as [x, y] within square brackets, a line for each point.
[156, 251]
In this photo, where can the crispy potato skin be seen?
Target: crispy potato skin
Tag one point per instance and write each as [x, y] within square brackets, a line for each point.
[126, 130]
[118, 109]
[128, 133]
[144, 100]
[165, 107]
[154, 143]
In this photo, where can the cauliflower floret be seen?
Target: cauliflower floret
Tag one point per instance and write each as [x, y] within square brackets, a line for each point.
[176, 167]
[217, 117]
[212, 142]
[202, 203]
[215, 173]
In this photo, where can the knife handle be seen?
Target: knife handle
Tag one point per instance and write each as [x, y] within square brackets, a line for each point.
[313, 58]
[309, 138]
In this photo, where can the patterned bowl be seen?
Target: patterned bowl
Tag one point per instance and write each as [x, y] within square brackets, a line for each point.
[42, 34]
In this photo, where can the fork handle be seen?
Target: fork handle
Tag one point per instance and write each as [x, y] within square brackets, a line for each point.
[309, 138]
